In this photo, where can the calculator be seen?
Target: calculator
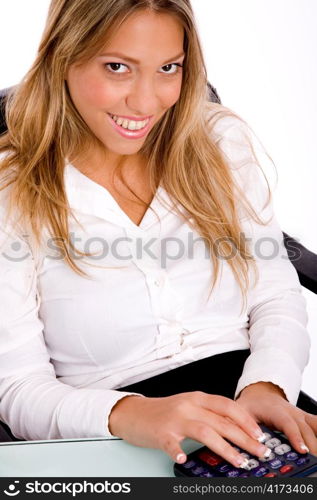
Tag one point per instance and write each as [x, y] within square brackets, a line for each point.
[283, 461]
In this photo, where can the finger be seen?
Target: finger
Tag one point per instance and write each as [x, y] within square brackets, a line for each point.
[309, 436]
[239, 437]
[226, 428]
[205, 434]
[171, 445]
[312, 422]
[289, 426]
[228, 408]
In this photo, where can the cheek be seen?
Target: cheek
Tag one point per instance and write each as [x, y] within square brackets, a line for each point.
[92, 92]
[171, 94]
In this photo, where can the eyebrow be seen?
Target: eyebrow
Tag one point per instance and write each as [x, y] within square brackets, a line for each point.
[135, 61]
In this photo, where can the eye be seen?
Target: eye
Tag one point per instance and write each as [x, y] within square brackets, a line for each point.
[115, 66]
[178, 68]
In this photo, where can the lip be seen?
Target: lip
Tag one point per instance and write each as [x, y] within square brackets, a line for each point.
[131, 118]
[130, 134]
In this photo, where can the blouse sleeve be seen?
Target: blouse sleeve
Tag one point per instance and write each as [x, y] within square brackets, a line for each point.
[279, 340]
[33, 402]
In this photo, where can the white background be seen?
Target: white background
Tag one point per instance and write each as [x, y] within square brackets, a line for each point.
[261, 57]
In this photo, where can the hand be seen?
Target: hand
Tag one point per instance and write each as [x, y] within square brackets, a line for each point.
[267, 404]
[164, 422]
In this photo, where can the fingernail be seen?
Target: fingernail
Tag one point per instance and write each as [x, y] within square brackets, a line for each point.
[242, 462]
[267, 453]
[304, 447]
[180, 457]
[260, 436]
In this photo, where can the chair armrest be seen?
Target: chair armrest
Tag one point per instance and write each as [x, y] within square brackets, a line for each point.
[306, 403]
[304, 261]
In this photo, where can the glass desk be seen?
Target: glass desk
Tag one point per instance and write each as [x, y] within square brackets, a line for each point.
[85, 458]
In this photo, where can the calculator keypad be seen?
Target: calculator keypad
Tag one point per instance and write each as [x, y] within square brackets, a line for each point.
[283, 461]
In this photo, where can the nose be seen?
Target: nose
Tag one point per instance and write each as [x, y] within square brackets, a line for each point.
[142, 98]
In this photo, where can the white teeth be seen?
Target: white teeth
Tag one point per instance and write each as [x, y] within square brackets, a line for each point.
[130, 125]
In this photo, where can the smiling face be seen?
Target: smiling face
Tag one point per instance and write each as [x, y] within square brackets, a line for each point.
[137, 76]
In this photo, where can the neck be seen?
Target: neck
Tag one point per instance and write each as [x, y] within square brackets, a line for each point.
[96, 164]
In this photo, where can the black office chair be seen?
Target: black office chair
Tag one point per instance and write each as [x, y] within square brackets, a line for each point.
[304, 261]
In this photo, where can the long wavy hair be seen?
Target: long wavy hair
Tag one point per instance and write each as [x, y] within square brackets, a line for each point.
[44, 129]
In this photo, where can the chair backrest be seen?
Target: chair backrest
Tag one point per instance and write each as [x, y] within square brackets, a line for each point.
[3, 95]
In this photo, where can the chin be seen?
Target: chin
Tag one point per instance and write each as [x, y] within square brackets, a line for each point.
[129, 149]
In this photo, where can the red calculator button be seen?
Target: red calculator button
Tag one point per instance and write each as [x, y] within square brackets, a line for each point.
[270, 474]
[210, 458]
[286, 468]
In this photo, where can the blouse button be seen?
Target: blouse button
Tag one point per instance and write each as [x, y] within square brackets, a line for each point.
[159, 281]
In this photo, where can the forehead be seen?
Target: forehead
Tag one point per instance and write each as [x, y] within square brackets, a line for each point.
[147, 32]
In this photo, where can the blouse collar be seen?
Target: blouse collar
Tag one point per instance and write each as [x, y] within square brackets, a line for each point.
[87, 196]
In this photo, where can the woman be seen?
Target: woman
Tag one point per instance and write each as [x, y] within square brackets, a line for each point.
[106, 282]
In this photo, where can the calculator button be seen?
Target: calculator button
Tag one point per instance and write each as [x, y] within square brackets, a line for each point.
[223, 468]
[233, 473]
[286, 468]
[271, 474]
[282, 449]
[252, 464]
[276, 463]
[259, 471]
[208, 474]
[291, 456]
[302, 461]
[267, 459]
[189, 464]
[272, 443]
[198, 470]
[210, 458]
[245, 474]
[267, 436]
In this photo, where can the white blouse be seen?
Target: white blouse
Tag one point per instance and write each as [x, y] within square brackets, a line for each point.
[68, 342]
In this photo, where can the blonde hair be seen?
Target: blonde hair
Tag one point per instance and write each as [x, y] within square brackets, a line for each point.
[44, 128]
